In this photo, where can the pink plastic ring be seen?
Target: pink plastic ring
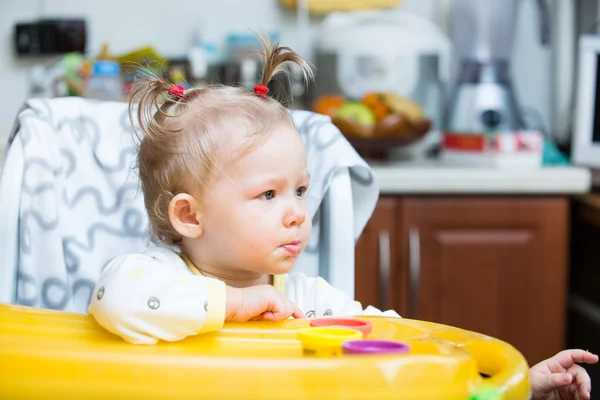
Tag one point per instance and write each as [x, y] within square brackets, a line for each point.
[353, 323]
[374, 347]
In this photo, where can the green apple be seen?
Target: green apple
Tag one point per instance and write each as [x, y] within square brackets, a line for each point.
[357, 112]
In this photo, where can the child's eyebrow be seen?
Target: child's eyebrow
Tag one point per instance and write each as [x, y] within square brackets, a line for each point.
[269, 182]
[275, 181]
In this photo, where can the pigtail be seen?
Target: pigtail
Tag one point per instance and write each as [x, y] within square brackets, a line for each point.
[149, 100]
[274, 57]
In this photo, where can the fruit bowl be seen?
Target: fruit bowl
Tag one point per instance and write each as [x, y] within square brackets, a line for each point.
[395, 127]
[377, 123]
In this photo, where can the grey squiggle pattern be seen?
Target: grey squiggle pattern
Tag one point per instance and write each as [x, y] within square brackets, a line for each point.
[60, 285]
[24, 280]
[42, 163]
[72, 162]
[133, 226]
[49, 115]
[72, 261]
[31, 113]
[45, 165]
[79, 130]
[44, 187]
[84, 284]
[25, 231]
[66, 280]
[123, 163]
[42, 223]
[95, 193]
[128, 230]
[26, 135]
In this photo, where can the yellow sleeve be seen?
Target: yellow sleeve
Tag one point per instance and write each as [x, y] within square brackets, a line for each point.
[214, 306]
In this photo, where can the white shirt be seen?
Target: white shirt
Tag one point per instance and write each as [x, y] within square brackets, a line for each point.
[156, 296]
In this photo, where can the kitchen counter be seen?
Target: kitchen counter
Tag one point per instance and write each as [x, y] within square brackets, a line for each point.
[433, 177]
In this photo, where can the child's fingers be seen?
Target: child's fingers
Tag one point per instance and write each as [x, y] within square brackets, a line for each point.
[269, 316]
[584, 393]
[582, 380]
[282, 314]
[573, 389]
[547, 383]
[298, 314]
[566, 358]
[560, 380]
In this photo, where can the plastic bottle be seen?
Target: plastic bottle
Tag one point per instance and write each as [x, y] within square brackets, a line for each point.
[105, 82]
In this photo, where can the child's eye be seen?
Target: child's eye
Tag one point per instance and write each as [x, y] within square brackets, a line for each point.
[268, 195]
[300, 191]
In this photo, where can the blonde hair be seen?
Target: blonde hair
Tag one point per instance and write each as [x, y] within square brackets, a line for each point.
[179, 137]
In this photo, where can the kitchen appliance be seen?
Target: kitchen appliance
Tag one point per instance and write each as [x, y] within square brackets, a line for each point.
[484, 122]
[586, 134]
[375, 51]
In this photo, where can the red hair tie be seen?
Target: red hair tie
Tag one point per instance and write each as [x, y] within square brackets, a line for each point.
[176, 90]
[261, 90]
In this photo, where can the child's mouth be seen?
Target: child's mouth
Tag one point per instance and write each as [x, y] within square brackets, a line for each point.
[293, 248]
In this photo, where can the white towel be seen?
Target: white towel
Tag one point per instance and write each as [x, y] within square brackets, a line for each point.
[342, 196]
[79, 202]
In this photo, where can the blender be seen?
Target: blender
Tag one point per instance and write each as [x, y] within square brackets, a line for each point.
[483, 116]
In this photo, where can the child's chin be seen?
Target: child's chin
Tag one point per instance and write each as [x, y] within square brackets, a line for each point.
[283, 266]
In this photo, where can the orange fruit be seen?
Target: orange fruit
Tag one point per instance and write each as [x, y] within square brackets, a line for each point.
[375, 102]
[380, 110]
[371, 99]
[328, 104]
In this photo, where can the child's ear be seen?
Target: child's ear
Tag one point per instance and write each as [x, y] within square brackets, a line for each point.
[185, 215]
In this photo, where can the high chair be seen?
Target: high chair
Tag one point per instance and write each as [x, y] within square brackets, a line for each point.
[70, 201]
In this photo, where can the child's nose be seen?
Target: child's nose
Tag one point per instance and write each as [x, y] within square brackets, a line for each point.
[295, 216]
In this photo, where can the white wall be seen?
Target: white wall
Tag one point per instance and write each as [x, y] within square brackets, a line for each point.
[168, 27]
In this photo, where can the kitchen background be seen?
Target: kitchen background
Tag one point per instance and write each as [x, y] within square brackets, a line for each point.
[484, 235]
[126, 26]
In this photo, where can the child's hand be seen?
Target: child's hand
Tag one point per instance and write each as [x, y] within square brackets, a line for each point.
[262, 302]
[559, 378]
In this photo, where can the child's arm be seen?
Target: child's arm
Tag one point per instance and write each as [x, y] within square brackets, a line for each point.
[560, 377]
[316, 297]
[144, 298]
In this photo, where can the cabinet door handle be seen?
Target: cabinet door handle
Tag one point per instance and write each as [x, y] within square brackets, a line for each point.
[384, 268]
[414, 259]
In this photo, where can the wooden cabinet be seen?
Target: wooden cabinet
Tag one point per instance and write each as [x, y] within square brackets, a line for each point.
[377, 256]
[584, 296]
[495, 265]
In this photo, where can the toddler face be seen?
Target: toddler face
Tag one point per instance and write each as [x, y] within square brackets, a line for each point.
[256, 215]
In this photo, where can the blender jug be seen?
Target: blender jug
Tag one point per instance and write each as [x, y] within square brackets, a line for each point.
[483, 34]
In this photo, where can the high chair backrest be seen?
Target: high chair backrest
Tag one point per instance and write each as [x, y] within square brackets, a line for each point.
[70, 201]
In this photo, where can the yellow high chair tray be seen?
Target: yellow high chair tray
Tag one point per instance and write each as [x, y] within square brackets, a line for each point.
[49, 354]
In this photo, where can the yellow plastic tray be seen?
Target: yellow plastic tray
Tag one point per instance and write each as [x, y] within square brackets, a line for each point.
[49, 354]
